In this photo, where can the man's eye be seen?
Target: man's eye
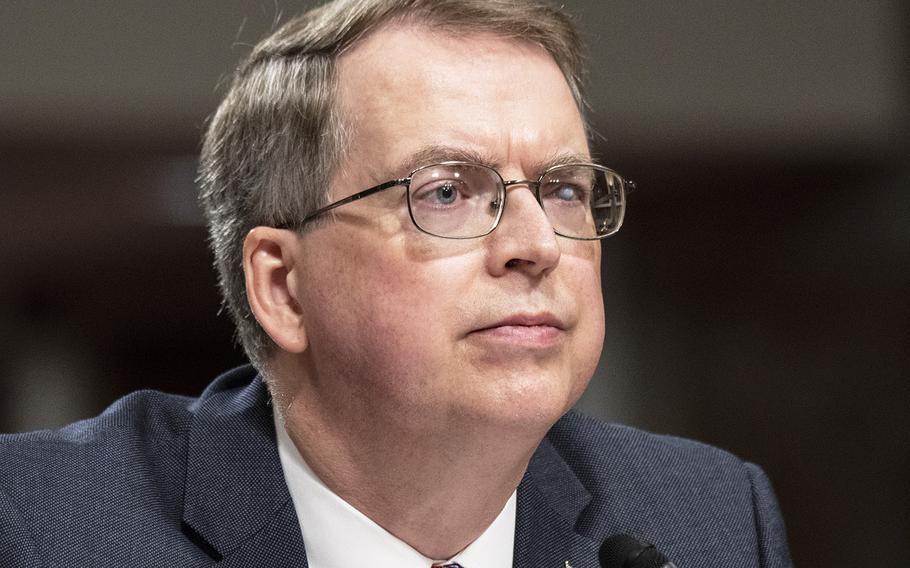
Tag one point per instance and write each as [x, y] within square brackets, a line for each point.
[445, 193]
[440, 193]
[567, 193]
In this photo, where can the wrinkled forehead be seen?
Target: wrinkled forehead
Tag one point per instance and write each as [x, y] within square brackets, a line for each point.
[404, 88]
[390, 58]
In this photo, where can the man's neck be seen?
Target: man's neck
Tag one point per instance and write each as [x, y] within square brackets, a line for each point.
[435, 490]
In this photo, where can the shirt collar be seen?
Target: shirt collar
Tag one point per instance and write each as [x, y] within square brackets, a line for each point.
[336, 535]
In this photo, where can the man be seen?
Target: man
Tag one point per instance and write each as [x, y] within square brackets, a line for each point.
[408, 188]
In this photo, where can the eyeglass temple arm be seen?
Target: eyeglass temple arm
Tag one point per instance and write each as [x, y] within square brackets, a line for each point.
[346, 200]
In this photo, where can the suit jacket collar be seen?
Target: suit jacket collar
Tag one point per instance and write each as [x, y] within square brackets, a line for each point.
[550, 501]
[237, 506]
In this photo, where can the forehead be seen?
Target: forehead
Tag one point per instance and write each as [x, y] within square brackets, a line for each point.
[407, 87]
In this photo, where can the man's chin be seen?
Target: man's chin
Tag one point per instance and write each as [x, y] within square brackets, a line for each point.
[526, 408]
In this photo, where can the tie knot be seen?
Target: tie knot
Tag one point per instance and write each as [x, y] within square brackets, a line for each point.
[449, 565]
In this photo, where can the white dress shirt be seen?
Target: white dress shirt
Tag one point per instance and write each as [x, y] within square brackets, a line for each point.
[336, 535]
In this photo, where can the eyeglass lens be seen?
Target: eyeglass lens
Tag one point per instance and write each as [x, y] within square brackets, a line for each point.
[466, 200]
[455, 200]
[582, 201]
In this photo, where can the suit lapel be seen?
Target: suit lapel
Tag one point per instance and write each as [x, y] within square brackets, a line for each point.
[238, 510]
[237, 507]
[550, 501]
[277, 545]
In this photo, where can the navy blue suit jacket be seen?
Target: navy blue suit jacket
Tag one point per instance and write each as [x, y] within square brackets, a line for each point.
[161, 480]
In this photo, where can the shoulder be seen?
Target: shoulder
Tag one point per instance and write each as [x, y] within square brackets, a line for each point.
[118, 471]
[586, 441]
[626, 462]
[672, 491]
[144, 422]
[74, 487]
[135, 432]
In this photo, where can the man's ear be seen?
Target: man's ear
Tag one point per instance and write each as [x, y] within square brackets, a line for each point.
[269, 257]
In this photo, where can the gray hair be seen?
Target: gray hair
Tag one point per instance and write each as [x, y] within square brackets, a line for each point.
[270, 149]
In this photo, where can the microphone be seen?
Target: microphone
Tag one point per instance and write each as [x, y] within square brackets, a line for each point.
[625, 551]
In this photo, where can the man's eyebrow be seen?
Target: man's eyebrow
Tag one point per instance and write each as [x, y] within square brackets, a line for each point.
[559, 159]
[436, 153]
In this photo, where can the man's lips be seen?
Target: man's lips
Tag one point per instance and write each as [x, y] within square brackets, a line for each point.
[527, 320]
[535, 329]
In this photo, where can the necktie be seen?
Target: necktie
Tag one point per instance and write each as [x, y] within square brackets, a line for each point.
[449, 565]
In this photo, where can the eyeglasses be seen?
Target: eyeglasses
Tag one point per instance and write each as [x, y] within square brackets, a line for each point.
[463, 200]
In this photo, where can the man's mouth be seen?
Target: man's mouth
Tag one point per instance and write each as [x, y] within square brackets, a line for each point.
[537, 329]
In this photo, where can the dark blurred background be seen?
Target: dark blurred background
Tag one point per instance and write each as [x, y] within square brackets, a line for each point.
[757, 298]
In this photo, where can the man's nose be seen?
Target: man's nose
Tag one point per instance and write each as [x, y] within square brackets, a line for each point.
[524, 240]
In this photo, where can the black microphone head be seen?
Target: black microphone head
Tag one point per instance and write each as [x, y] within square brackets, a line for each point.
[625, 551]
[617, 549]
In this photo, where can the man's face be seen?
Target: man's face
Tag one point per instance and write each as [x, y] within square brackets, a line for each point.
[503, 329]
